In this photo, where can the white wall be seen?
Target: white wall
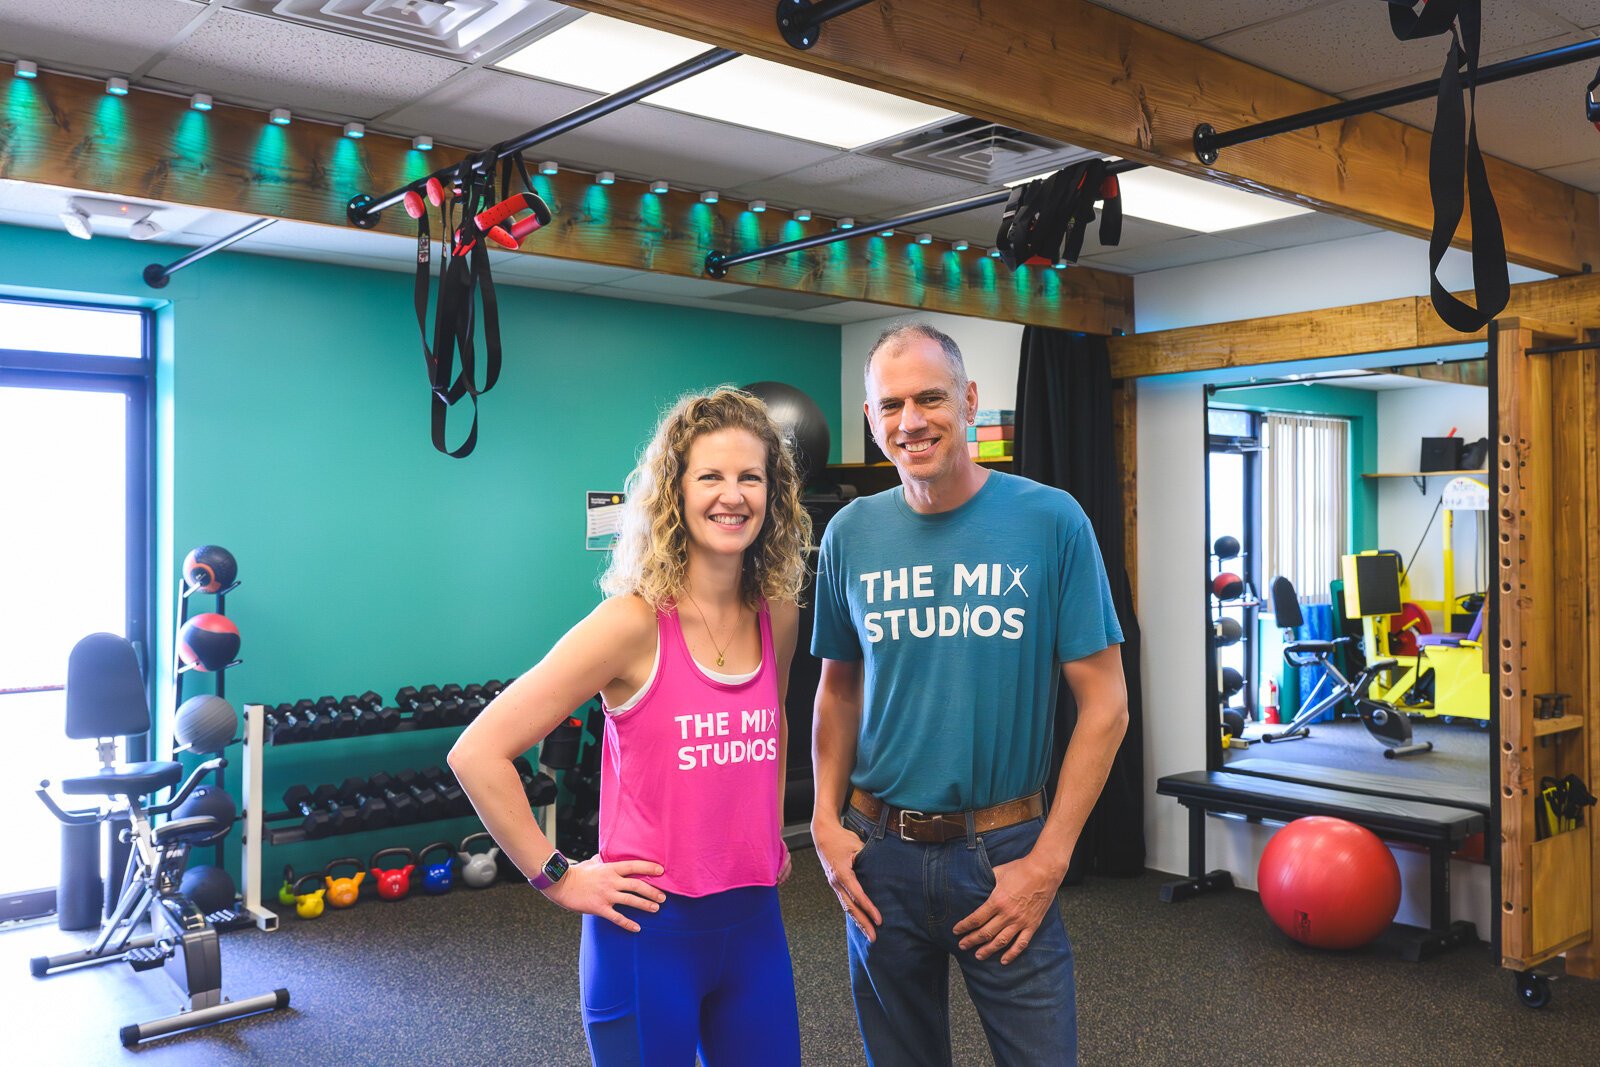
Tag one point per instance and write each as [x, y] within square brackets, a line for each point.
[1404, 417]
[1171, 535]
[991, 350]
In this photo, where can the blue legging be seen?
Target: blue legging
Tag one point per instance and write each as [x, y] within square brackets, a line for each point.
[704, 974]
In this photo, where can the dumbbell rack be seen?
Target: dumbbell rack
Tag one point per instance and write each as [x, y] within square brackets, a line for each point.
[256, 831]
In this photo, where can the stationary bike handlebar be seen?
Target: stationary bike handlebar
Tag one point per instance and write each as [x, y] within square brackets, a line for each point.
[189, 785]
[71, 818]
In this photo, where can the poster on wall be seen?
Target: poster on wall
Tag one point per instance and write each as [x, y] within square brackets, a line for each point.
[603, 519]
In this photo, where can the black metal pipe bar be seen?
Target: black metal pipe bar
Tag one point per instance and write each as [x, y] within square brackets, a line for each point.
[1553, 349]
[717, 263]
[155, 275]
[1209, 142]
[363, 210]
[800, 21]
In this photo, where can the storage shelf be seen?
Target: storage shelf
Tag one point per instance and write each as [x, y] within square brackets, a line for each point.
[886, 465]
[1543, 727]
[1424, 474]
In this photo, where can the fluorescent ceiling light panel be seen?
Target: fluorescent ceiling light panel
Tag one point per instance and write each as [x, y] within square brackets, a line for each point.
[604, 55]
[1178, 200]
[1194, 204]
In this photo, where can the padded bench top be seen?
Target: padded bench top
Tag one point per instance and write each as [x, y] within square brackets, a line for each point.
[1253, 795]
[1450, 794]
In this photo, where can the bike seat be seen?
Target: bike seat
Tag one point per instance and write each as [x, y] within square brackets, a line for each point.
[1382, 664]
[194, 828]
[1314, 648]
[129, 779]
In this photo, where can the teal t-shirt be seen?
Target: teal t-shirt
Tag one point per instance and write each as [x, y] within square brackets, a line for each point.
[962, 619]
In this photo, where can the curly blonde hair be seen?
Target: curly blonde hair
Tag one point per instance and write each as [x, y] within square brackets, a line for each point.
[651, 555]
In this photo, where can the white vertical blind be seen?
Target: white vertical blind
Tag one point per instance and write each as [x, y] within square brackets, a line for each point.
[1305, 510]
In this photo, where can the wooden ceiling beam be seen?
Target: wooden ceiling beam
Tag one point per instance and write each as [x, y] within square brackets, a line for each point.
[1091, 77]
[1567, 306]
[65, 131]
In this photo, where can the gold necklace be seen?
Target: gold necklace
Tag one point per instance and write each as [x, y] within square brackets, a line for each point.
[721, 649]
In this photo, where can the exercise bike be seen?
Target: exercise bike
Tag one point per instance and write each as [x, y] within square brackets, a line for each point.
[105, 700]
[1383, 720]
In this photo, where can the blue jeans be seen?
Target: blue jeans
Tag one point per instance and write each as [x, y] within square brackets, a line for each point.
[901, 981]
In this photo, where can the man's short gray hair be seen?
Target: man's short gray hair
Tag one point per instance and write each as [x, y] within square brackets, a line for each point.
[905, 329]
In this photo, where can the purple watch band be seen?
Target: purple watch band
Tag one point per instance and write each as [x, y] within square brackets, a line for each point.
[551, 872]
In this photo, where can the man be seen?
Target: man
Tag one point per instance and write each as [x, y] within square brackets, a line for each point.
[943, 608]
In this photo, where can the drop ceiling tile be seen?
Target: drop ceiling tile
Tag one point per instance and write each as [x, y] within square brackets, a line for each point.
[846, 311]
[1535, 121]
[861, 187]
[1581, 13]
[92, 36]
[239, 56]
[1585, 175]
[554, 284]
[673, 285]
[1201, 248]
[1296, 231]
[641, 296]
[1517, 51]
[538, 267]
[485, 106]
[1338, 46]
[1196, 20]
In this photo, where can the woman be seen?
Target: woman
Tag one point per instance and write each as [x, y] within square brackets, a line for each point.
[683, 947]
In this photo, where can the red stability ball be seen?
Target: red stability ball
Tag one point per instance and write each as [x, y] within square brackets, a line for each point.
[1329, 883]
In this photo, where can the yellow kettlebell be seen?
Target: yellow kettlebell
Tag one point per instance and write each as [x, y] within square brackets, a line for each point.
[343, 892]
[308, 903]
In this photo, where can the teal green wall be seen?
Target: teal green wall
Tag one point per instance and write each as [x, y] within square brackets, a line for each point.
[1360, 406]
[293, 429]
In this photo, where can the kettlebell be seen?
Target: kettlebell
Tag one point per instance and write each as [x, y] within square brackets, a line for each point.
[478, 870]
[286, 890]
[437, 877]
[395, 883]
[343, 892]
[308, 902]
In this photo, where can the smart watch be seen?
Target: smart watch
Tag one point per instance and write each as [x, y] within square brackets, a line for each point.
[552, 871]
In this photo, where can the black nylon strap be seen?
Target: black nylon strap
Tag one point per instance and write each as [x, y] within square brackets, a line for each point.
[1449, 169]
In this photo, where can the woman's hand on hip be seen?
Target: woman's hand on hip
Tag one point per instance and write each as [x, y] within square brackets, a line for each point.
[594, 887]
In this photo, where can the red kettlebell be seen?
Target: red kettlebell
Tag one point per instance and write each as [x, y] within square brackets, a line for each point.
[394, 883]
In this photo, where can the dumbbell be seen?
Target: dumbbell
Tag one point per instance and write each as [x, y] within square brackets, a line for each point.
[538, 787]
[456, 801]
[424, 710]
[343, 719]
[401, 804]
[370, 714]
[476, 698]
[283, 727]
[452, 709]
[429, 804]
[494, 687]
[318, 822]
[372, 811]
[318, 727]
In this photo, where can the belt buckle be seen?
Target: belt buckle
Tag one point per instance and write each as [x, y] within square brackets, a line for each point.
[900, 828]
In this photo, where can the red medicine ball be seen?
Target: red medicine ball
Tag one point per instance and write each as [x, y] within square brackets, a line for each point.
[208, 642]
[1329, 883]
[1227, 586]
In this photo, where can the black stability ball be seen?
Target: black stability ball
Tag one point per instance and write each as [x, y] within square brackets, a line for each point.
[799, 417]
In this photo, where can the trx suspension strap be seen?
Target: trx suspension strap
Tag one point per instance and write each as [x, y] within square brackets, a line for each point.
[1447, 169]
[470, 218]
[1045, 220]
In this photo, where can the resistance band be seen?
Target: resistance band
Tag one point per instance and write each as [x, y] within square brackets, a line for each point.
[1446, 167]
[1046, 219]
[470, 218]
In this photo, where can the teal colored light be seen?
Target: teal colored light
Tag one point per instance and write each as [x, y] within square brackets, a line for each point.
[703, 223]
[116, 90]
[416, 165]
[925, 239]
[22, 102]
[279, 120]
[951, 263]
[650, 212]
[1022, 284]
[847, 224]
[193, 137]
[793, 231]
[26, 75]
[984, 269]
[349, 171]
[758, 207]
[597, 203]
[549, 168]
[709, 197]
[111, 122]
[749, 231]
[885, 233]
[271, 157]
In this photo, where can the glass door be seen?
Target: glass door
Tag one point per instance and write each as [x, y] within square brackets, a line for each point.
[73, 557]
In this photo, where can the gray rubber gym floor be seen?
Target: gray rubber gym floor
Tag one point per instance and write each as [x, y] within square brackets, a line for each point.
[490, 977]
[1460, 751]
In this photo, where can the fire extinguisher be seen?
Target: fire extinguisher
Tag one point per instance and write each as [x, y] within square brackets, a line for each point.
[1269, 705]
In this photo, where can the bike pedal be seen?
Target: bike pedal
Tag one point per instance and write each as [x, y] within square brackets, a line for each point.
[144, 959]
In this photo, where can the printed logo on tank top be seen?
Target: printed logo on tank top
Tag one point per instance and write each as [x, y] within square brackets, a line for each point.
[722, 738]
[982, 600]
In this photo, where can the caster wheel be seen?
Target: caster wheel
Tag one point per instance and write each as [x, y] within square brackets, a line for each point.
[1533, 989]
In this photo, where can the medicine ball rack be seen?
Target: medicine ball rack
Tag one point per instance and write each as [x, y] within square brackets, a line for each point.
[179, 670]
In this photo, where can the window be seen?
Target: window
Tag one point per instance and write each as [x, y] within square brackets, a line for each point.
[74, 544]
[1305, 485]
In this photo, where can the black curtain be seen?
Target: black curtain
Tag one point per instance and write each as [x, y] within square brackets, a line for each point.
[1064, 439]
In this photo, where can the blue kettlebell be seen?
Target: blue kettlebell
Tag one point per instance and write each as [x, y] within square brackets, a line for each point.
[437, 877]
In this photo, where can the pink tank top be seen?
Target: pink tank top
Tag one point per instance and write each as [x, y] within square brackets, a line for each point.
[689, 774]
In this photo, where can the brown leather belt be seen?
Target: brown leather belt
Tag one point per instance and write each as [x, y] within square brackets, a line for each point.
[935, 827]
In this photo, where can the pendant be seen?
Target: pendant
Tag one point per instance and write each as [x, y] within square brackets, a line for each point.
[719, 661]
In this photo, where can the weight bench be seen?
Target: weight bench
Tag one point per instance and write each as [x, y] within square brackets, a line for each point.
[1438, 828]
